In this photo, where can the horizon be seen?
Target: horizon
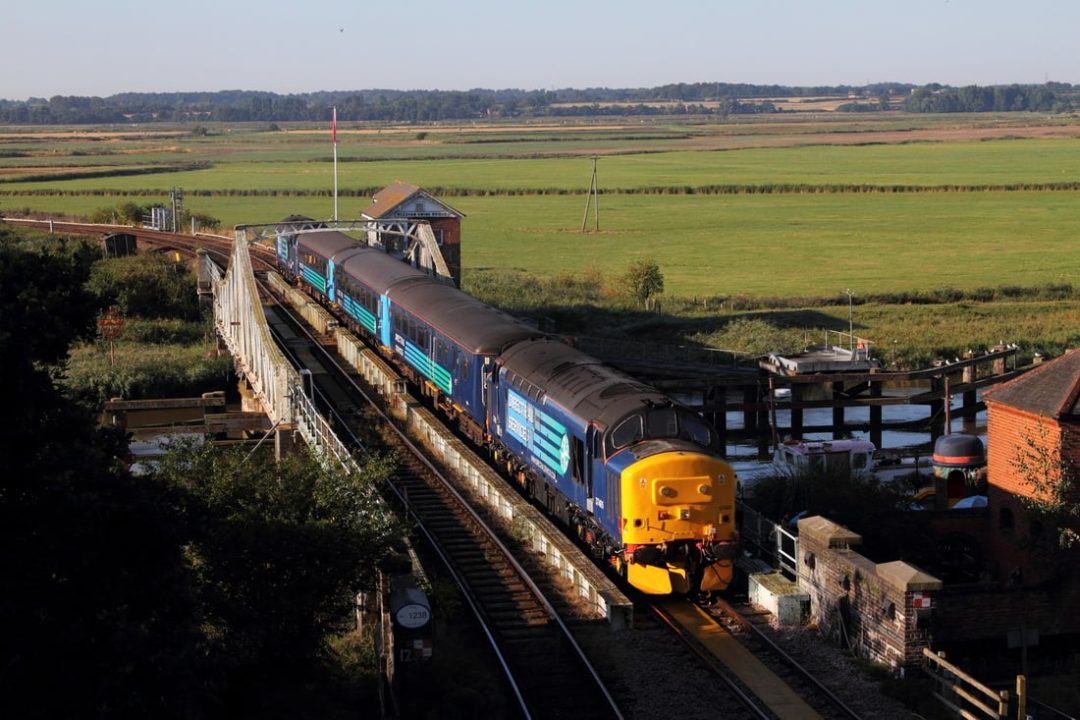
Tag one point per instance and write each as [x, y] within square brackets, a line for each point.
[71, 48]
[510, 89]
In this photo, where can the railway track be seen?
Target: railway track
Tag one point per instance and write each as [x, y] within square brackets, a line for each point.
[779, 680]
[548, 673]
[803, 680]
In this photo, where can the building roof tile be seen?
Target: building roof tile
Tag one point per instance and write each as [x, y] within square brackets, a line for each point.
[393, 196]
[1051, 390]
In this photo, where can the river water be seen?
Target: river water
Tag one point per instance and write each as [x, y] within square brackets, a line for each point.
[744, 454]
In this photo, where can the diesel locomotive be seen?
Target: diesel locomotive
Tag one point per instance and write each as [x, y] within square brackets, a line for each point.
[636, 477]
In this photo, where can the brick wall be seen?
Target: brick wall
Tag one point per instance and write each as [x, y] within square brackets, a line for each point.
[872, 608]
[1011, 539]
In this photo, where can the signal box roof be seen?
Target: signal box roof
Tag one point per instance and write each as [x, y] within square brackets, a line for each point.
[392, 200]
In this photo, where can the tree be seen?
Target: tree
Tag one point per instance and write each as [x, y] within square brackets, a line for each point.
[96, 616]
[280, 550]
[148, 285]
[643, 281]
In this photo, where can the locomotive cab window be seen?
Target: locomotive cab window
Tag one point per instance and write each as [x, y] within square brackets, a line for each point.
[662, 423]
[696, 430]
[627, 432]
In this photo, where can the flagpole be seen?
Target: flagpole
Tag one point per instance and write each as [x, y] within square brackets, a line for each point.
[333, 135]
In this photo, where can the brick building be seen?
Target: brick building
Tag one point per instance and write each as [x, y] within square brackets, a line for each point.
[1038, 412]
[397, 207]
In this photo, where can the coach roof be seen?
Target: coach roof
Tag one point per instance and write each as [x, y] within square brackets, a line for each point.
[326, 243]
[377, 270]
[476, 326]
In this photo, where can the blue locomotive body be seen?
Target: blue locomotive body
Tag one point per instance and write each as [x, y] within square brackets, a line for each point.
[636, 477]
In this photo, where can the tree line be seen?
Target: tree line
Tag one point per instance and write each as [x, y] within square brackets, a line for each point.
[437, 105]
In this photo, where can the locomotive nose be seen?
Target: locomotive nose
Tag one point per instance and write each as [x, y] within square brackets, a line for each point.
[674, 504]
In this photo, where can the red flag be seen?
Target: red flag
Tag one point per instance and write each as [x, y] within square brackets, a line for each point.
[333, 128]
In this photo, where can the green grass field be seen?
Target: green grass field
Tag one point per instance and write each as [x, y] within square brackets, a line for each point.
[522, 189]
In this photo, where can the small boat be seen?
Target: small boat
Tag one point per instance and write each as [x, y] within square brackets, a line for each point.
[849, 457]
[852, 457]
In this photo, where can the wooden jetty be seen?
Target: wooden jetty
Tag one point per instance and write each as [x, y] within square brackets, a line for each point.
[831, 378]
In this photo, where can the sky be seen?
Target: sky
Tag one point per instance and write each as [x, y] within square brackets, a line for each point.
[74, 47]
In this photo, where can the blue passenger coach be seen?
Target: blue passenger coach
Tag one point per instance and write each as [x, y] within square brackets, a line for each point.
[451, 340]
[316, 254]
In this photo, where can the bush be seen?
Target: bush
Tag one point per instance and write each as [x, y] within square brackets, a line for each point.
[149, 285]
[135, 371]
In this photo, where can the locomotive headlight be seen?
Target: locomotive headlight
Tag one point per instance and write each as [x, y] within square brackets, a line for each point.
[667, 491]
[705, 489]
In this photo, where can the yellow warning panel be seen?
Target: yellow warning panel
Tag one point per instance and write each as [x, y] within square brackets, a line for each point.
[769, 688]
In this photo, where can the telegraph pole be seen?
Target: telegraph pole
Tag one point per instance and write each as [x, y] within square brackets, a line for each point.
[592, 197]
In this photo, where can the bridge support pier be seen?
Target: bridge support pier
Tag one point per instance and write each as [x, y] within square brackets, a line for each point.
[796, 412]
[249, 401]
[875, 415]
[713, 400]
[284, 441]
[838, 411]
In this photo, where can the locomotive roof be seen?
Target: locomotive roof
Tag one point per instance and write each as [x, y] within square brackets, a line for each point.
[326, 243]
[473, 324]
[577, 381]
[377, 270]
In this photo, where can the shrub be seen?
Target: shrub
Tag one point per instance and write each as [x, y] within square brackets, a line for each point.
[148, 285]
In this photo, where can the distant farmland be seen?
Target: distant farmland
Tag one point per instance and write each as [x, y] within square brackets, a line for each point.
[758, 206]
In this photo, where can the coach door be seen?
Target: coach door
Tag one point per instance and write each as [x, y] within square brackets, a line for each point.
[589, 458]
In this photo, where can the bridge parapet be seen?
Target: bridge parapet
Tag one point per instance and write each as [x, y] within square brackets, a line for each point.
[240, 322]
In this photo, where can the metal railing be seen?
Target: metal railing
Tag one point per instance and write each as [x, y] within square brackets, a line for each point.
[770, 541]
[247, 334]
[241, 323]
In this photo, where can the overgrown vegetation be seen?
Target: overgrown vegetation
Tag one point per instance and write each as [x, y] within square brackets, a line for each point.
[130, 213]
[166, 348]
[219, 586]
[906, 330]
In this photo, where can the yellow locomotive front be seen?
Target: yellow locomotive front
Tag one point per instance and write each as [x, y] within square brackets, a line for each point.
[678, 522]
